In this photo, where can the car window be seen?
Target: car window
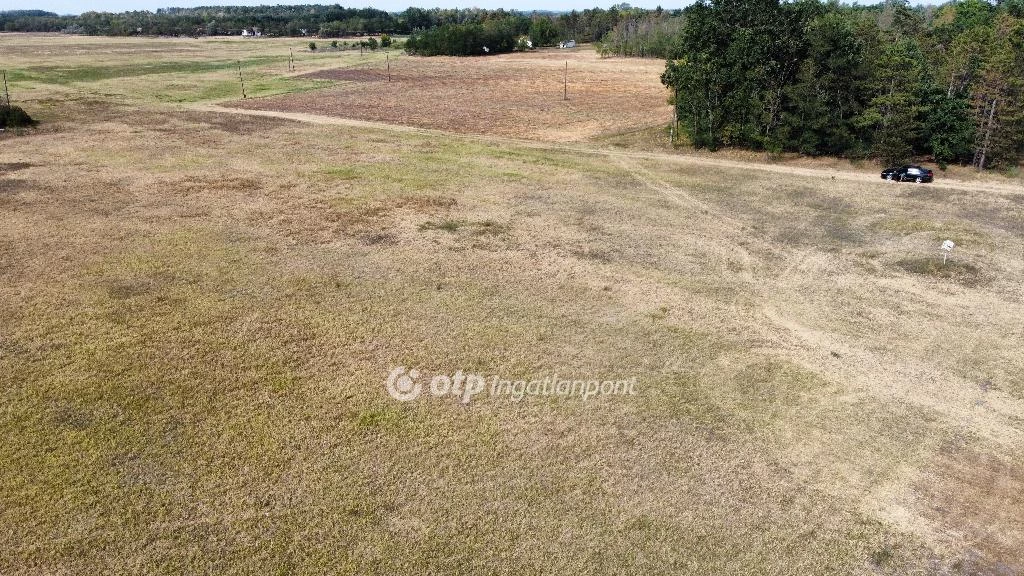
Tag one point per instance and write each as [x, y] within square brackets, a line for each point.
[914, 171]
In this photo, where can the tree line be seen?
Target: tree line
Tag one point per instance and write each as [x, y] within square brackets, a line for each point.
[643, 34]
[500, 31]
[216, 20]
[887, 81]
[492, 36]
[311, 20]
[627, 31]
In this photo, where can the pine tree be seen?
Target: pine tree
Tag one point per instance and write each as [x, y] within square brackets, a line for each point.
[998, 97]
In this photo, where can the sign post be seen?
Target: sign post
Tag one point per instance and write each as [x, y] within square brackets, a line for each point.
[947, 249]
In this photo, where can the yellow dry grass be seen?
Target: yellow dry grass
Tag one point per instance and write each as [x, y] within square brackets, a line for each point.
[199, 308]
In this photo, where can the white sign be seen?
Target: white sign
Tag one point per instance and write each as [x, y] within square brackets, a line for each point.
[947, 249]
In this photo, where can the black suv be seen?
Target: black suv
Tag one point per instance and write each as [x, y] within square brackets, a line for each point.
[908, 173]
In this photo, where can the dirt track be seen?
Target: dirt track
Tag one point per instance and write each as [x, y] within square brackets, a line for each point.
[868, 175]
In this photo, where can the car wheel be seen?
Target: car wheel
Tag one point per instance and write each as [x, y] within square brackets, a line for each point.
[888, 177]
[918, 180]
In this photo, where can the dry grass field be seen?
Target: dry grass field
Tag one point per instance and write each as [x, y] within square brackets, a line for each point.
[514, 95]
[199, 306]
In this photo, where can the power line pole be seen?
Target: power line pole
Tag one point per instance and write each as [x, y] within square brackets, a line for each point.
[7, 94]
[240, 80]
[565, 82]
[291, 60]
[387, 58]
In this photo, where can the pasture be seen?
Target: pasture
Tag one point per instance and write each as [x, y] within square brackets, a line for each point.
[512, 95]
[201, 299]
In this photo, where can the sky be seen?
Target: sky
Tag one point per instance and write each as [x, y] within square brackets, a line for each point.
[79, 6]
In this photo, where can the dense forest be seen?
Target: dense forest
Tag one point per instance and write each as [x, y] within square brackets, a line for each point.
[620, 30]
[887, 81]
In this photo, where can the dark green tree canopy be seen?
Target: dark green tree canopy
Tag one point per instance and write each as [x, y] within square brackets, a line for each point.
[889, 81]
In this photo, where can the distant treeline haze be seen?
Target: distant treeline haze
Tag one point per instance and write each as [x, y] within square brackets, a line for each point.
[583, 26]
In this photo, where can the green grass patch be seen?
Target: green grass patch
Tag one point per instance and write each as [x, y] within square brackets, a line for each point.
[941, 230]
[69, 75]
[378, 418]
[955, 270]
[341, 172]
[533, 157]
[446, 225]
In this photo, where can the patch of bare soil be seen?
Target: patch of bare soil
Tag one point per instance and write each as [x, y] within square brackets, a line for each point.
[543, 96]
[349, 75]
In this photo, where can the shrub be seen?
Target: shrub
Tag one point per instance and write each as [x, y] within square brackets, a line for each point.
[15, 117]
[334, 43]
[312, 46]
[372, 43]
[385, 40]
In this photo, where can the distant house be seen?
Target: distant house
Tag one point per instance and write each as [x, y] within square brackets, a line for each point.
[251, 32]
[567, 44]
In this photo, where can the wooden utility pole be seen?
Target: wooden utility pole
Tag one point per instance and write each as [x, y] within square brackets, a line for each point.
[387, 58]
[7, 95]
[240, 80]
[565, 82]
[291, 60]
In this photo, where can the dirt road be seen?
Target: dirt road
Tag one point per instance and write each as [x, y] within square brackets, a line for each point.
[866, 176]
